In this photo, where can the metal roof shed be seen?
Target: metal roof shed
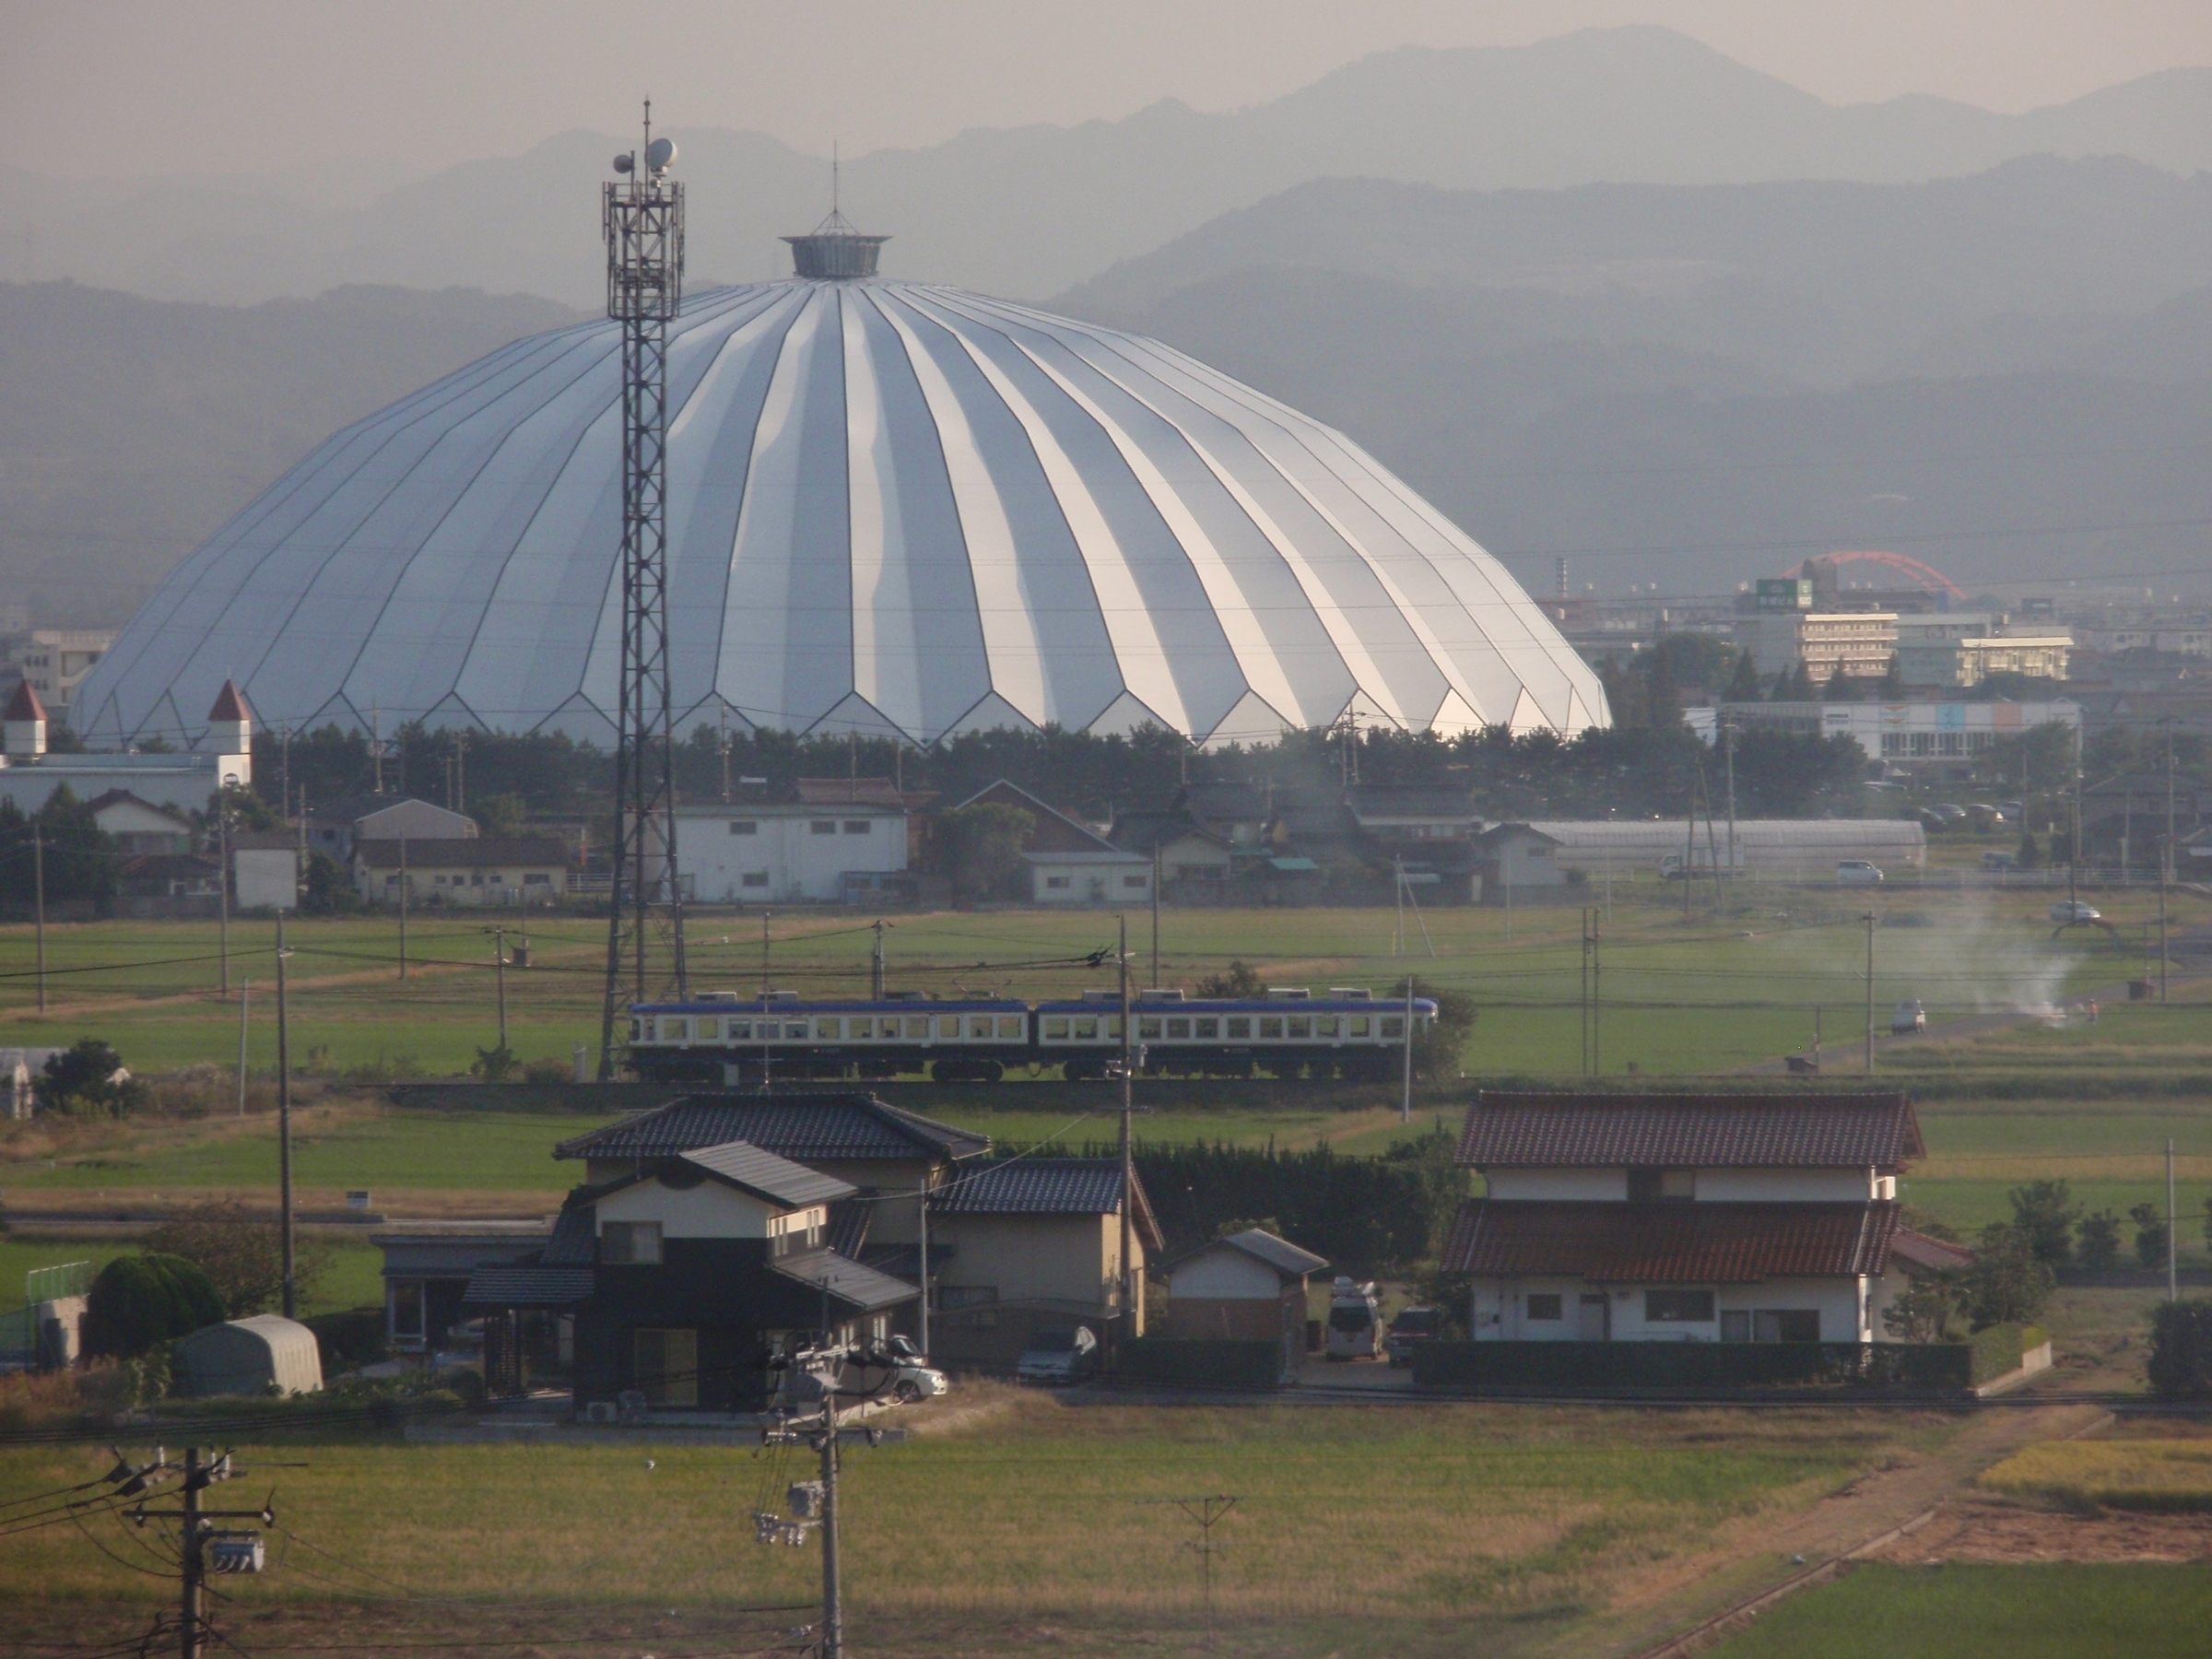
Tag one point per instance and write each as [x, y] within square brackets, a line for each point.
[264, 1353]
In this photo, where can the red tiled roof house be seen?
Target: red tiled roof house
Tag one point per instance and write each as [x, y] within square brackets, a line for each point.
[1684, 1218]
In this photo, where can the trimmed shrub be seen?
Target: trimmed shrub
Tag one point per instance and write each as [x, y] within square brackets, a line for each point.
[139, 1300]
[1998, 1348]
[2180, 1349]
[350, 1339]
[1944, 1365]
[1218, 1363]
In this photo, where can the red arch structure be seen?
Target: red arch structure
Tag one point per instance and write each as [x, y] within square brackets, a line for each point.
[1902, 562]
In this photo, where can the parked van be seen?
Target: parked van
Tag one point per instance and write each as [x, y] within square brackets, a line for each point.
[1355, 1322]
[1909, 1019]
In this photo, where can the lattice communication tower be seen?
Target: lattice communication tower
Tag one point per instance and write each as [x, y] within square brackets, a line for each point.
[644, 229]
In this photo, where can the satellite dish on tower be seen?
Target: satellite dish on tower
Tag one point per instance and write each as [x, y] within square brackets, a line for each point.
[659, 153]
[624, 163]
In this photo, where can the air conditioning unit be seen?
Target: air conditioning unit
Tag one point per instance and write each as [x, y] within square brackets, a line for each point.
[602, 1411]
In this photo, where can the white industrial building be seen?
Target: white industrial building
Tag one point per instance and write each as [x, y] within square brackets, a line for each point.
[1782, 848]
[894, 508]
[1914, 734]
[787, 852]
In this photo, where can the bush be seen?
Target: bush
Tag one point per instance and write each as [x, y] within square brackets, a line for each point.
[548, 1071]
[494, 1064]
[2150, 1234]
[2044, 1212]
[139, 1300]
[1220, 1364]
[348, 1340]
[2180, 1349]
[2097, 1242]
[88, 1079]
[242, 1254]
[1998, 1348]
[2007, 1283]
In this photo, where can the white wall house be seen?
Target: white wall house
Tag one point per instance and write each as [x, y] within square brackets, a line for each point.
[1684, 1219]
[787, 852]
[1103, 877]
[183, 780]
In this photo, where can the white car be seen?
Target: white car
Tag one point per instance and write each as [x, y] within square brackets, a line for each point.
[1857, 872]
[1909, 1019]
[2070, 911]
[912, 1377]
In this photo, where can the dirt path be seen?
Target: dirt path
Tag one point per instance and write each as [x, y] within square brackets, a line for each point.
[1753, 1553]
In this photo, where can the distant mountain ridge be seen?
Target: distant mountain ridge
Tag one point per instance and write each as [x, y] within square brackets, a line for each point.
[1029, 211]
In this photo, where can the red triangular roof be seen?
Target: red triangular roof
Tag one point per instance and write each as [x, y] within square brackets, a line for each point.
[25, 704]
[229, 704]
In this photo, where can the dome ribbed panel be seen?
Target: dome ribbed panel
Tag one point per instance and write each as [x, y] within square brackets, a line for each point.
[890, 506]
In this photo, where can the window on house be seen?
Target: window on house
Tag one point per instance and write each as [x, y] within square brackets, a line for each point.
[538, 880]
[856, 825]
[1544, 1304]
[631, 1244]
[1786, 1324]
[1055, 881]
[822, 827]
[1133, 881]
[744, 827]
[1735, 1325]
[1654, 1187]
[407, 1308]
[753, 878]
[665, 1364]
[1678, 1307]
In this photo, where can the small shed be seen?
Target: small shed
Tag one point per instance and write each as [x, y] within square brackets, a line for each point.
[261, 1355]
[1248, 1287]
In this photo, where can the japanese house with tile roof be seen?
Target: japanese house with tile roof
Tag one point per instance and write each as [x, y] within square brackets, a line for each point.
[1684, 1218]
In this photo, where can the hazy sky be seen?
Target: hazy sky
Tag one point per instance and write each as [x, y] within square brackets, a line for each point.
[123, 87]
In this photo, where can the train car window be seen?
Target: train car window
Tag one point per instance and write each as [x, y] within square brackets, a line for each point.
[1239, 1026]
[1113, 1027]
[1179, 1029]
[1208, 1029]
[1270, 1027]
[948, 1025]
[741, 1031]
[1009, 1028]
[1325, 1025]
[1055, 1029]
[795, 1029]
[1149, 1029]
[637, 1030]
[1086, 1030]
[917, 1027]
[1363, 1025]
[979, 1028]
[826, 1030]
[675, 1029]
[709, 1030]
[1302, 1026]
[1394, 1025]
[860, 1028]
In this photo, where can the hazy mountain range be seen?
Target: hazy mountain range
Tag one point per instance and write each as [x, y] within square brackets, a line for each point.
[1029, 211]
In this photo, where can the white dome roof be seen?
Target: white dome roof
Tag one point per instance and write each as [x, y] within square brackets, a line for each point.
[892, 507]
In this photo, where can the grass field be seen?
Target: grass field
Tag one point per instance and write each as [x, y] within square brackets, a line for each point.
[2115, 1474]
[1990, 1612]
[1696, 993]
[353, 1279]
[1036, 1511]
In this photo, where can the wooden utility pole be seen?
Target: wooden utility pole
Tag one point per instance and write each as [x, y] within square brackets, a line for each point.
[37, 883]
[1869, 993]
[499, 969]
[1406, 1099]
[833, 1600]
[193, 1614]
[403, 910]
[284, 1125]
[246, 1003]
[1156, 915]
[1128, 1318]
[222, 892]
[875, 964]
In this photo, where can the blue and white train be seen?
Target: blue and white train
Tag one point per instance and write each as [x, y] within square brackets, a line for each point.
[721, 1037]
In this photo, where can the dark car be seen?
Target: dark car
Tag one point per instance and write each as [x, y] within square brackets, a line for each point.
[1412, 1327]
[1058, 1354]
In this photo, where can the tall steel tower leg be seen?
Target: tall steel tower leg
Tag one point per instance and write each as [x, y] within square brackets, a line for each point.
[644, 229]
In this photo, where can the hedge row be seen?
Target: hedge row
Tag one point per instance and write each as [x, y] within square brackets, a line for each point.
[1212, 1362]
[1948, 1365]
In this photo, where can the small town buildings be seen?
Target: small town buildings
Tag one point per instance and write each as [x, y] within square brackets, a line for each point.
[1681, 1217]
[1244, 1287]
[138, 828]
[1068, 862]
[1602, 849]
[798, 846]
[182, 780]
[261, 1355]
[1858, 644]
[167, 885]
[477, 872]
[1917, 735]
[335, 827]
[54, 662]
[1183, 854]
[1033, 1242]
[1516, 859]
[1412, 817]
[427, 1268]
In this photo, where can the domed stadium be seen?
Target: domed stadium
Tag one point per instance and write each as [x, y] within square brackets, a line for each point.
[893, 508]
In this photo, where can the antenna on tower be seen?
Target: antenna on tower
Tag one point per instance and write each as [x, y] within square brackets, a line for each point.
[642, 218]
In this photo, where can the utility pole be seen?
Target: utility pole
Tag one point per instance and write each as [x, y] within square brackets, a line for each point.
[194, 1612]
[764, 916]
[1128, 1310]
[2172, 1282]
[222, 891]
[2073, 835]
[1156, 915]
[1869, 920]
[1597, 999]
[1585, 1068]
[1398, 874]
[499, 968]
[1729, 731]
[38, 882]
[875, 964]
[284, 1124]
[1406, 1101]
[922, 1227]
[245, 1001]
[833, 1599]
[1207, 1512]
[403, 910]
[2165, 865]
[461, 771]
[725, 754]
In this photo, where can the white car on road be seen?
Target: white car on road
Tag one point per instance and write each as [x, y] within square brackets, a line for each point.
[1857, 872]
[2071, 910]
